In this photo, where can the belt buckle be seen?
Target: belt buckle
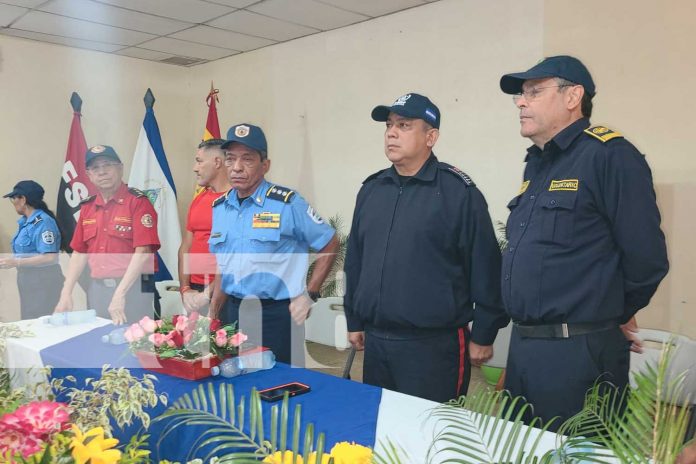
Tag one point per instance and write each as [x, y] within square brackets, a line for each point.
[109, 283]
[564, 330]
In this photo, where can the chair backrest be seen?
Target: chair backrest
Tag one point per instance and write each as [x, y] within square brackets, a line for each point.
[170, 298]
[683, 359]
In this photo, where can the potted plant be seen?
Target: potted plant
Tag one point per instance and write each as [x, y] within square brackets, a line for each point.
[186, 346]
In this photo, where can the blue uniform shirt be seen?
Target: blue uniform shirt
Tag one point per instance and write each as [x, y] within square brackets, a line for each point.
[37, 234]
[261, 246]
[584, 235]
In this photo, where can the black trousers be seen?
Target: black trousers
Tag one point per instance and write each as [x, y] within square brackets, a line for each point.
[39, 290]
[268, 323]
[554, 374]
[427, 364]
[140, 298]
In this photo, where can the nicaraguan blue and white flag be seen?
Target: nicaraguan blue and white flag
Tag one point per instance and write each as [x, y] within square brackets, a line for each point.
[150, 173]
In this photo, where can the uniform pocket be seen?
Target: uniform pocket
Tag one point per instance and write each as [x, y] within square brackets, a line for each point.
[264, 241]
[217, 246]
[89, 232]
[559, 218]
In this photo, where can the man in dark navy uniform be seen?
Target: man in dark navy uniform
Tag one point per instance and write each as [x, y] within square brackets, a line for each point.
[585, 248]
[421, 253]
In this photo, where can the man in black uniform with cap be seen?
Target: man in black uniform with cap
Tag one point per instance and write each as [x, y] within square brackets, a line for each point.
[421, 253]
[585, 248]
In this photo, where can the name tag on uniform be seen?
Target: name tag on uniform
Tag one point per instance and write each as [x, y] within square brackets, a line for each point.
[266, 221]
[565, 184]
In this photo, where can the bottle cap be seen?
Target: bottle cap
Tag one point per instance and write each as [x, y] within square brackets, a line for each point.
[214, 370]
[105, 339]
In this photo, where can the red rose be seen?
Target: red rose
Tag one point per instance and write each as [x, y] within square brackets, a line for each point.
[175, 318]
[215, 324]
[177, 338]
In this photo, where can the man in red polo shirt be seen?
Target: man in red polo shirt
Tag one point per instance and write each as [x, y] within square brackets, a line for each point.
[196, 264]
[117, 234]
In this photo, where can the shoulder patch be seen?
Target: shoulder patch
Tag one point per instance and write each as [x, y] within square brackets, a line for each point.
[602, 133]
[279, 193]
[137, 192]
[372, 176]
[221, 199]
[88, 199]
[459, 173]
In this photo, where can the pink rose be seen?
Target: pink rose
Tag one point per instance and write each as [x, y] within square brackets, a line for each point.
[188, 334]
[133, 333]
[157, 339]
[221, 338]
[148, 325]
[181, 323]
[238, 338]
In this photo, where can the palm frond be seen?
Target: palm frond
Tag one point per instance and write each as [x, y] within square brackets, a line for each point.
[333, 284]
[639, 425]
[224, 431]
[486, 427]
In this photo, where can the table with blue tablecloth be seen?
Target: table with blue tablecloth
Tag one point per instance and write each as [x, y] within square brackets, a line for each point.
[343, 410]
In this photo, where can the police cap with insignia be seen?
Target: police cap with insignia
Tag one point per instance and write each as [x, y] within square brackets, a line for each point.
[563, 66]
[411, 105]
[101, 150]
[27, 188]
[249, 135]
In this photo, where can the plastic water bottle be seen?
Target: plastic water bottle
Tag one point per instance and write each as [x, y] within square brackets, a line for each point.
[115, 337]
[71, 317]
[244, 364]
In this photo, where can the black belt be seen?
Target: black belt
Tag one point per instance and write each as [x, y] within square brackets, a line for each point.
[264, 301]
[563, 330]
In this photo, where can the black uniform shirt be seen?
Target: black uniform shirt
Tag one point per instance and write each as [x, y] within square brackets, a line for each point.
[422, 253]
[585, 243]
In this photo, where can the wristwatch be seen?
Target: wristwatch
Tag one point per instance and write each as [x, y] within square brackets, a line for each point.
[314, 296]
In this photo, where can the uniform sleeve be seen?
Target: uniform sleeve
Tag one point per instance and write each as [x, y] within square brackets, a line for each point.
[351, 268]
[631, 208]
[77, 243]
[308, 225]
[144, 224]
[47, 236]
[478, 242]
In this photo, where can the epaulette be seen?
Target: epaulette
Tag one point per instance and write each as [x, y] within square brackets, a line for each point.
[36, 220]
[459, 173]
[276, 192]
[602, 133]
[369, 178]
[137, 192]
[88, 199]
[221, 198]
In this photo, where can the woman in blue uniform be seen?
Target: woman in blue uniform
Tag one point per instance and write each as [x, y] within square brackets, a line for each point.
[35, 249]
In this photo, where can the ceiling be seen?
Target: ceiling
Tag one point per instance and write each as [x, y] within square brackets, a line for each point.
[183, 32]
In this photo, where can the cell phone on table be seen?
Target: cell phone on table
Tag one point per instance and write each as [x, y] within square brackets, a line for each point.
[276, 393]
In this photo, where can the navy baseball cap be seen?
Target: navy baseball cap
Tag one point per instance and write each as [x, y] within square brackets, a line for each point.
[563, 66]
[28, 189]
[101, 150]
[411, 105]
[247, 134]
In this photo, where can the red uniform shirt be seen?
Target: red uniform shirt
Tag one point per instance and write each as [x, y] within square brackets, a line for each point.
[201, 263]
[109, 232]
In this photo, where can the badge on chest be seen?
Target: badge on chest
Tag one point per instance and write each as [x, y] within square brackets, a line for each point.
[266, 221]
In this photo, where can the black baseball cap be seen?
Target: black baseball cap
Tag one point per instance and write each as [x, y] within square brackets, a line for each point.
[101, 150]
[247, 134]
[563, 66]
[411, 105]
[28, 189]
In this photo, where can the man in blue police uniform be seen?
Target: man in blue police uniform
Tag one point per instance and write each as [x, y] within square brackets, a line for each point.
[585, 247]
[261, 237]
[421, 253]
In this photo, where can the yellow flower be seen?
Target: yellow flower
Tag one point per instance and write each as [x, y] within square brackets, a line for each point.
[93, 447]
[351, 453]
[279, 458]
[312, 459]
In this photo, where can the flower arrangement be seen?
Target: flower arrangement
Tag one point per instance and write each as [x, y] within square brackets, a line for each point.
[341, 453]
[187, 337]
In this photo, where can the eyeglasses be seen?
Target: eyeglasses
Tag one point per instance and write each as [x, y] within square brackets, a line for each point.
[102, 166]
[534, 92]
